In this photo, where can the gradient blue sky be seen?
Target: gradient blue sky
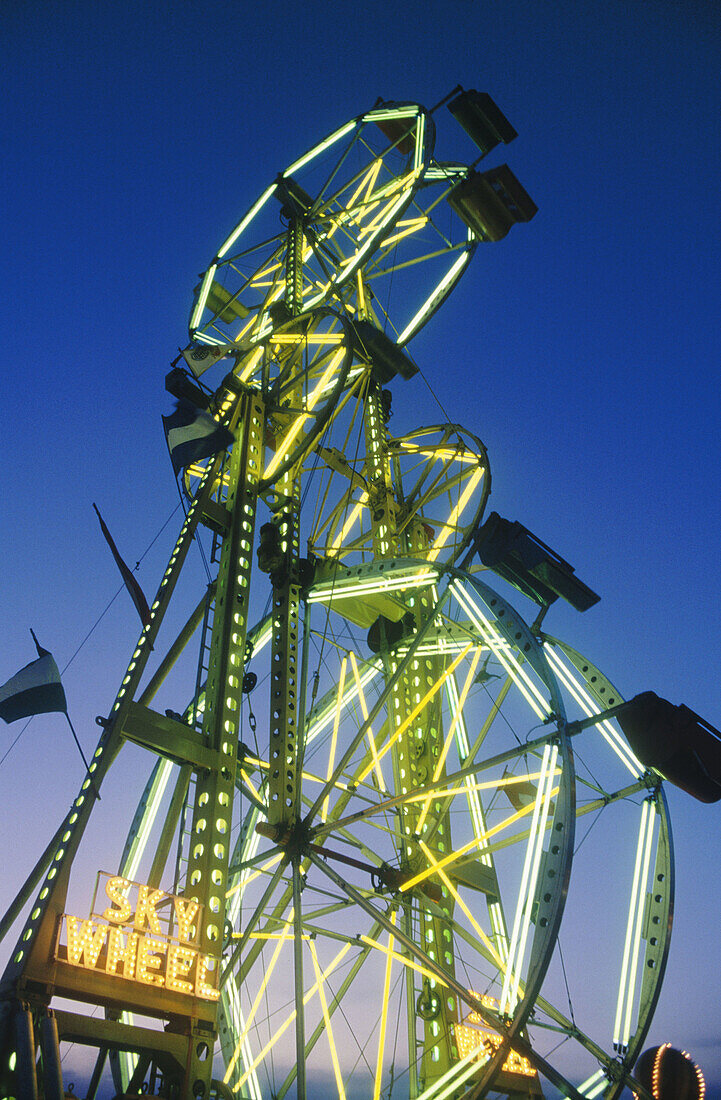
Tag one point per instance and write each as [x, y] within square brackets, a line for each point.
[583, 349]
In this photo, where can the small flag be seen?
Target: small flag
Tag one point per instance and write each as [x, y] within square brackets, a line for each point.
[193, 434]
[35, 689]
[136, 592]
[200, 357]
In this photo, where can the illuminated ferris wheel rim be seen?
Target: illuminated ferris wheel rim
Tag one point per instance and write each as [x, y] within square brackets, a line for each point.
[412, 117]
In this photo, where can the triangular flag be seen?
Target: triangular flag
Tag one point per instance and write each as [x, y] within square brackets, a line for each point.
[193, 434]
[136, 592]
[35, 689]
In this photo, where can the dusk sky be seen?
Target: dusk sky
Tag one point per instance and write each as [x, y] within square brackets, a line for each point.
[583, 349]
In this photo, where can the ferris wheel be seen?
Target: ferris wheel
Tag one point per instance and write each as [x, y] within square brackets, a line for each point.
[424, 860]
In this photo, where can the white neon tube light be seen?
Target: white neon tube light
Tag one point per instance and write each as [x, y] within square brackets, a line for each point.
[329, 141]
[251, 214]
[529, 877]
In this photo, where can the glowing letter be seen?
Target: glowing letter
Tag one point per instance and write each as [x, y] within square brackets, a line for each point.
[120, 951]
[149, 952]
[202, 987]
[115, 888]
[147, 900]
[185, 913]
[84, 943]
[180, 960]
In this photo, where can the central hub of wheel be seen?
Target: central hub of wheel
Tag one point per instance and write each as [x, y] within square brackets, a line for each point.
[293, 838]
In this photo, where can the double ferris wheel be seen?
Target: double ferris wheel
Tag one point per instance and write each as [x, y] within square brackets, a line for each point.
[393, 842]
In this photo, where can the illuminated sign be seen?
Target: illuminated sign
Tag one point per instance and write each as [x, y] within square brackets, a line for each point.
[144, 935]
[486, 1043]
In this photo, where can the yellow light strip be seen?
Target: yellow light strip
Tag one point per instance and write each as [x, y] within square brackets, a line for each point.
[446, 454]
[250, 366]
[364, 712]
[453, 856]
[289, 1020]
[450, 524]
[452, 1078]
[354, 587]
[302, 417]
[452, 890]
[254, 789]
[308, 338]
[265, 766]
[337, 545]
[410, 226]
[334, 737]
[491, 785]
[384, 215]
[361, 295]
[328, 1028]
[411, 963]
[432, 691]
[255, 874]
[449, 738]
[287, 932]
[269, 936]
[346, 216]
[321, 148]
[501, 650]
[384, 1014]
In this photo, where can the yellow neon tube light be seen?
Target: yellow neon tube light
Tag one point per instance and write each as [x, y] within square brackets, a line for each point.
[255, 874]
[450, 523]
[411, 963]
[474, 802]
[309, 338]
[491, 785]
[445, 454]
[594, 1085]
[334, 737]
[410, 225]
[328, 1028]
[351, 519]
[354, 587]
[383, 113]
[364, 712]
[384, 1014]
[287, 932]
[449, 738]
[432, 691]
[383, 216]
[289, 1020]
[453, 856]
[361, 295]
[452, 890]
[347, 217]
[433, 1092]
[301, 419]
[326, 715]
